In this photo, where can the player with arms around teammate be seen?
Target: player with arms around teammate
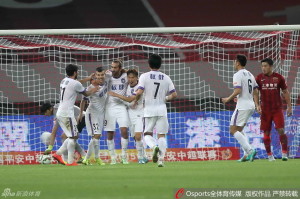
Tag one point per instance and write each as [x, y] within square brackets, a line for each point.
[116, 111]
[270, 84]
[157, 88]
[95, 114]
[69, 88]
[245, 88]
[136, 112]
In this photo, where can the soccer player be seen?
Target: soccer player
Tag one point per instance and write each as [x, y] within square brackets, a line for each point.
[116, 111]
[69, 88]
[48, 109]
[245, 88]
[270, 84]
[136, 112]
[95, 114]
[158, 88]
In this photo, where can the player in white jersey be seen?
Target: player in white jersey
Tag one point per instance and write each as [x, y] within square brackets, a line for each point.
[136, 112]
[49, 110]
[69, 88]
[116, 111]
[95, 114]
[157, 88]
[245, 87]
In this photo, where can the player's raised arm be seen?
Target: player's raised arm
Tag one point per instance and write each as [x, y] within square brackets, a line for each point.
[82, 106]
[89, 78]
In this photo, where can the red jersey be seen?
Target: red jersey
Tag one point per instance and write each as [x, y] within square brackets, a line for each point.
[269, 87]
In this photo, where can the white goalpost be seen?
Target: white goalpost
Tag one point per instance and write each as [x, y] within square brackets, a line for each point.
[198, 60]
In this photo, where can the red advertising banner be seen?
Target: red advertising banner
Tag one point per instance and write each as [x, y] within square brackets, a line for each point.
[172, 154]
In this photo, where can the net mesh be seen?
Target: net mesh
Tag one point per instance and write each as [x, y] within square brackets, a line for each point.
[200, 65]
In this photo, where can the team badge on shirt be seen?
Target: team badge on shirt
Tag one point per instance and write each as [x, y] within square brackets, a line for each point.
[275, 79]
[123, 80]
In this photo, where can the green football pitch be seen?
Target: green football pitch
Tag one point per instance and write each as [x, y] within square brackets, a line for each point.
[136, 181]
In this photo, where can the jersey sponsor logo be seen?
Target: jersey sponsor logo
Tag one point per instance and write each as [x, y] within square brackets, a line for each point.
[271, 85]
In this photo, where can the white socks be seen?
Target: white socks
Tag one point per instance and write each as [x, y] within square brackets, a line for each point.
[111, 148]
[162, 145]
[79, 149]
[63, 147]
[90, 149]
[96, 147]
[140, 149]
[243, 141]
[71, 150]
[124, 145]
[150, 141]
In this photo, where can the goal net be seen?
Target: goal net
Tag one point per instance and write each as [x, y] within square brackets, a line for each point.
[200, 64]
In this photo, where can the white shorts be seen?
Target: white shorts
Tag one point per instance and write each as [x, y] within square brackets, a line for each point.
[94, 123]
[240, 117]
[136, 125]
[68, 125]
[160, 123]
[116, 115]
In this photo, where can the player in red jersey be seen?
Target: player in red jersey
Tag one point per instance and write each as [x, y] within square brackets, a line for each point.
[270, 86]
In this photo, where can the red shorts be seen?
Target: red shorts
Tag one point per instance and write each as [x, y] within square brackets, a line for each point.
[266, 119]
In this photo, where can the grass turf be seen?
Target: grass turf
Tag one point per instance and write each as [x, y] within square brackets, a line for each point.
[136, 181]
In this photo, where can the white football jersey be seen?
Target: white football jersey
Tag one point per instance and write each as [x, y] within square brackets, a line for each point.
[98, 99]
[117, 85]
[76, 110]
[245, 80]
[137, 111]
[156, 86]
[69, 88]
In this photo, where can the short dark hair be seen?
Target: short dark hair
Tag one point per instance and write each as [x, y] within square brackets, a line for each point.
[133, 71]
[46, 106]
[99, 69]
[70, 69]
[119, 61]
[154, 61]
[268, 60]
[242, 59]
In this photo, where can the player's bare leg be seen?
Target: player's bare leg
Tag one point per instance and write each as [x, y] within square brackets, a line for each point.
[124, 144]
[111, 146]
[243, 141]
[283, 142]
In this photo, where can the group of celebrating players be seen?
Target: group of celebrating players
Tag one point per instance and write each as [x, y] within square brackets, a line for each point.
[115, 97]
[119, 97]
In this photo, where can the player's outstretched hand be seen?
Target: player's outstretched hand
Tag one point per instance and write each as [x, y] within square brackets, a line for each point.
[225, 100]
[91, 76]
[258, 109]
[95, 89]
[289, 111]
